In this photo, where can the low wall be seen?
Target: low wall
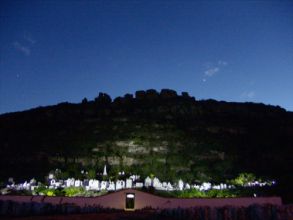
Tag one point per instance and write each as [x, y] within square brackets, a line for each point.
[116, 200]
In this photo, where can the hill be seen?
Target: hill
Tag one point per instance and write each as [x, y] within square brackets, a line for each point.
[162, 133]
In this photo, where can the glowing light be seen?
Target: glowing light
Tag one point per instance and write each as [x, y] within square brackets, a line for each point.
[130, 195]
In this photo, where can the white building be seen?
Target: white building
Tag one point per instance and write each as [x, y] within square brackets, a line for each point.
[128, 183]
[180, 184]
[120, 184]
[148, 182]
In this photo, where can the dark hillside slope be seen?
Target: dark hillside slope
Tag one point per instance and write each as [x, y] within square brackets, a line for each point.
[163, 133]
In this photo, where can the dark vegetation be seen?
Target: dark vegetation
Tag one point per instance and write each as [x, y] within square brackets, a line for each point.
[168, 135]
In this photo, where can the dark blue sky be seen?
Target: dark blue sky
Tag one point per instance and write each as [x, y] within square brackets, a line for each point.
[55, 51]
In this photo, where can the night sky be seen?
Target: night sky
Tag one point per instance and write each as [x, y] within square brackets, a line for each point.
[56, 51]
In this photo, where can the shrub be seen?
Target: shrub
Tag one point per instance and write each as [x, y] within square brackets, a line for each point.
[50, 193]
[243, 178]
[73, 191]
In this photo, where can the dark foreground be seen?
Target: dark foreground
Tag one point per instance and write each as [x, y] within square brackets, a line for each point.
[140, 215]
[203, 213]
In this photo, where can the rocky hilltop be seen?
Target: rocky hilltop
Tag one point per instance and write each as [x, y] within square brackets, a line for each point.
[161, 133]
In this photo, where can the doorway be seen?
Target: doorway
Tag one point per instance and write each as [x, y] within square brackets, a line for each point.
[130, 201]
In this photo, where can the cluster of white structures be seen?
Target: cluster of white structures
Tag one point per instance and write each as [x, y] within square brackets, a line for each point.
[133, 182]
